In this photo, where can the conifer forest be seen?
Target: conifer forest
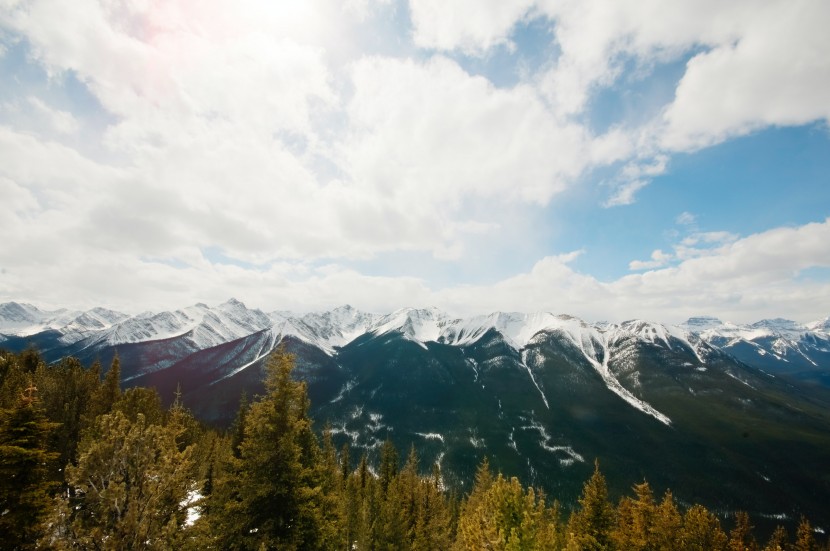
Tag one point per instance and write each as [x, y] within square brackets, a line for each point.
[87, 465]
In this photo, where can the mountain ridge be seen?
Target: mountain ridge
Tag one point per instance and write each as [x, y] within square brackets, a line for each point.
[778, 344]
[540, 394]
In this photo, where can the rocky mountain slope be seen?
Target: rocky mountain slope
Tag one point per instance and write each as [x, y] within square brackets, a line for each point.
[735, 417]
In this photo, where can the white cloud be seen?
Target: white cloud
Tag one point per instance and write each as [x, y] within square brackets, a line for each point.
[775, 72]
[62, 122]
[759, 64]
[686, 219]
[473, 26]
[238, 128]
[431, 130]
[624, 194]
[633, 177]
[717, 237]
[746, 280]
[658, 260]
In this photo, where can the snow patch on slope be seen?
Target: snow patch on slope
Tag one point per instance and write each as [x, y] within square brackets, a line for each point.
[532, 378]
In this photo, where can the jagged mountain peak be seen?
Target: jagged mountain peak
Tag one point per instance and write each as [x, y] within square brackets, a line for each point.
[417, 324]
[18, 309]
[821, 326]
[778, 325]
[233, 303]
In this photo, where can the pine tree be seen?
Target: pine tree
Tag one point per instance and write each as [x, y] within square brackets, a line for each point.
[665, 535]
[701, 531]
[778, 540]
[740, 537]
[333, 513]
[24, 484]
[110, 390]
[471, 530]
[433, 524]
[590, 526]
[132, 482]
[279, 476]
[635, 520]
[66, 392]
[804, 539]
[140, 401]
[388, 464]
[238, 427]
[500, 514]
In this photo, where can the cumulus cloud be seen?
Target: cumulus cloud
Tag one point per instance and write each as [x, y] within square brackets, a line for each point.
[473, 26]
[658, 259]
[744, 280]
[775, 72]
[750, 65]
[259, 132]
[60, 121]
[434, 131]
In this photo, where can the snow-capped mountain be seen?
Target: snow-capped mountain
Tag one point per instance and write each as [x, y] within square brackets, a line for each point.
[20, 319]
[692, 407]
[203, 325]
[779, 345]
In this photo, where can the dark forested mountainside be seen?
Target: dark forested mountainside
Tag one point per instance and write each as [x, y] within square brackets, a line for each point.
[715, 430]
[89, 466]
[540, 395]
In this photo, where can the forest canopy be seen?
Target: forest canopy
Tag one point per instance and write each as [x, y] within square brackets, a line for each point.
[85, 465]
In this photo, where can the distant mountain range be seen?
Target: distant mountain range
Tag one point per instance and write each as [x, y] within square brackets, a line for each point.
[732, 416]
[779, 346]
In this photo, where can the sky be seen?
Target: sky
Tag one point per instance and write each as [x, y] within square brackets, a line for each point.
[608, 159]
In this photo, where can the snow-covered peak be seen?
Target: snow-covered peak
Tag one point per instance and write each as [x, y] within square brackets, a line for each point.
[205, 326]
[337, 327]
[666, 335]
[230, 305]
[97, 318]
[651, 332]
[820, 326]
[778, 325]
[421, 325]
[25, 319]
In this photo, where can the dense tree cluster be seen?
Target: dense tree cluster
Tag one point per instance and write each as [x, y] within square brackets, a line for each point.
[84, 465]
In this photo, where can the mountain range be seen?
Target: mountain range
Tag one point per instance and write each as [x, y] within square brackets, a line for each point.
[731, 416]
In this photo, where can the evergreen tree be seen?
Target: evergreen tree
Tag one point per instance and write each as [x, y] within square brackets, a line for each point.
[665, 535]
[279, 476]
[701, 531]
[589, 528]
[470, 529]
[740, 537]
[388, 464]
[238, 427]
[433, 524]
[132, 482]
[30, 360]
[15, 380]
[635, 520]
[24, 484]
[140, 401]
[804, 539]
[110, 391]
[66, 392]
[500, 515]
[333, 513]
[778, 540]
